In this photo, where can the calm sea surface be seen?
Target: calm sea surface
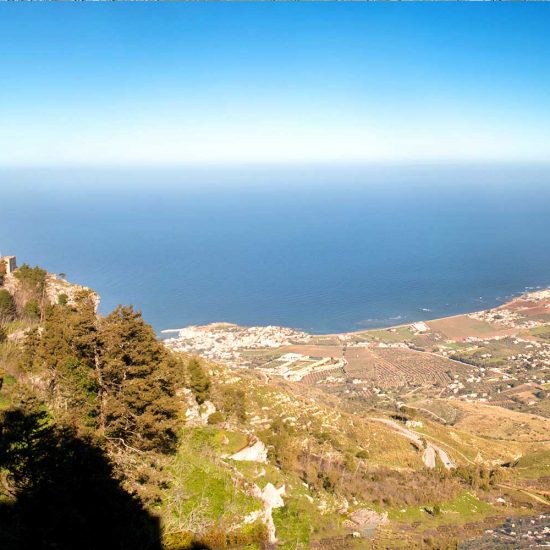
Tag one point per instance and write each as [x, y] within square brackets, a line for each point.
[321, 250]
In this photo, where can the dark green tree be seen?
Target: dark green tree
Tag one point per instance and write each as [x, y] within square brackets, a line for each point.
[66, 348]
[138, 407]
[199, 381]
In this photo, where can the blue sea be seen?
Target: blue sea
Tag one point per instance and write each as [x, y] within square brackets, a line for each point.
[320, 248]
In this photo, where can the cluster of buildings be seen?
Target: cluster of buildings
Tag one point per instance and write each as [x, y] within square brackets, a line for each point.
[505, 317]
[225, 342]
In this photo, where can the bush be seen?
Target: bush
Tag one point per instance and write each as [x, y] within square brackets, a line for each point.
[62, 299]
[199, 381]
[234, 403]
[32, 277]
[7, 306]
[32, 310]
[478, 476]
[215, 418]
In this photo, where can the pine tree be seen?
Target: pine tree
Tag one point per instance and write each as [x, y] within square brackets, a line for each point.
[66, 348]
[137, 383]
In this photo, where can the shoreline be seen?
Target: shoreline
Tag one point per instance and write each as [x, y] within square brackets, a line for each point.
[514, 296]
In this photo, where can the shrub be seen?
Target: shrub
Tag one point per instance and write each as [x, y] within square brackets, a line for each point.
[7, 306]
[234, 403]
[478, 476]
[32, 309]
[215, 418]
[199, 381]
[32, 277]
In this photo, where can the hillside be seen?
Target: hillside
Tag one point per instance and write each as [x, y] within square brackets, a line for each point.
[372, 452]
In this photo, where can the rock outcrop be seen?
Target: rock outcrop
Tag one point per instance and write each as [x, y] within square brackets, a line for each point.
[255, 452]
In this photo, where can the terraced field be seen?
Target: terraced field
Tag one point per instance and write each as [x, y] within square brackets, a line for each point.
[388, 367]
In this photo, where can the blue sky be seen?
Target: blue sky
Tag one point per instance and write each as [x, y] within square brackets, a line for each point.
[173, 83]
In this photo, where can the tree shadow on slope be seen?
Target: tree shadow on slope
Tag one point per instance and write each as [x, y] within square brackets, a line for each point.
[59, 491]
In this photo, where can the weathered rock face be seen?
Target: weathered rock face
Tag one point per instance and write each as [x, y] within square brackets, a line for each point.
[271, 498]
[54, 288]
[256, 452]
[11, 284]
[195, 414]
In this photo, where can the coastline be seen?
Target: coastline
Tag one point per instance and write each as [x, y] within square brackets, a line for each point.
[509, 299]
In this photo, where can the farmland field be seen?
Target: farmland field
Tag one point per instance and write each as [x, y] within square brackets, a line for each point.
[462, 326]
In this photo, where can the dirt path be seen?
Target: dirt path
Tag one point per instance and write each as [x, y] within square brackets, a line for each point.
[454, 450]
[534, 496]
[429, 455]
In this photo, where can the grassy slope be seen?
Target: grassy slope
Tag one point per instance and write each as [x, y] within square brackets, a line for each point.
[310, 514]
[209, 491]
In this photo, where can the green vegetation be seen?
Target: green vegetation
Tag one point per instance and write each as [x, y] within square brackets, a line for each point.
[31, 309]
[135, 375]
[465, 506]
[479, 476]
[542, 332]
[534, 465]
[110, 375]
[215, 418]
[233, 402]
[7, 306]
[205, 495]
[198, 380]
[61, 490]
[33, 278]
[30, 296]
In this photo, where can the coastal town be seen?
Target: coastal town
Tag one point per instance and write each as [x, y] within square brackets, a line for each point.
[225, 341]
[499, 356]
